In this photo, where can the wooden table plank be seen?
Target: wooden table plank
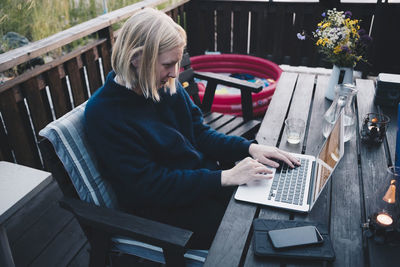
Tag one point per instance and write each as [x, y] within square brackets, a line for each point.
[300, 100]
[346, 210]
[315, 138]
[272, 122]
[232, 235]
[391, 133]
[373, 170]
[311, 100]
[230, 240]
[333, 208]
[313, 143]
[345, 213]
[299, 108]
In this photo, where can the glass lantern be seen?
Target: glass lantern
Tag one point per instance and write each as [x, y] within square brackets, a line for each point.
[383, 225]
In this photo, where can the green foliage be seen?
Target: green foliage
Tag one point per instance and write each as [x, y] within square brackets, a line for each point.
[34, 19]
[37, 19]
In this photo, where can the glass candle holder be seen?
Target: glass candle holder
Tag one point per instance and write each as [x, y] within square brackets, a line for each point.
[380, 227]
[373, 129]
[384, 225]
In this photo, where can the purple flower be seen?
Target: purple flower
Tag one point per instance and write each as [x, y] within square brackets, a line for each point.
[345, 49]
[301, 36]
[323, 15]
[361, 32]
[348, 14]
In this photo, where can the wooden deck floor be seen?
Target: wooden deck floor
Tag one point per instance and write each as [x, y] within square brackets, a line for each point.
[43, 234]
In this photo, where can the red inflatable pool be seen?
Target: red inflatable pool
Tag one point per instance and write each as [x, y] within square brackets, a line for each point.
[230, 103]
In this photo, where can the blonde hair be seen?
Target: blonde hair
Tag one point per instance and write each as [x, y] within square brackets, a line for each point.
[144, 36]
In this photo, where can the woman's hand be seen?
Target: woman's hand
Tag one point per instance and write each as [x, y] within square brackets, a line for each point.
[245, 171]
[264, 154]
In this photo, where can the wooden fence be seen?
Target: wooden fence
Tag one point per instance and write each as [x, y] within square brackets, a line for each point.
[268, 29]
[265, 29]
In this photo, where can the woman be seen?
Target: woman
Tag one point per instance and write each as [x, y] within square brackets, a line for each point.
[150, 139]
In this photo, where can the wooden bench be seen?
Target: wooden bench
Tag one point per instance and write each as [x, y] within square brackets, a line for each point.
[228, 124]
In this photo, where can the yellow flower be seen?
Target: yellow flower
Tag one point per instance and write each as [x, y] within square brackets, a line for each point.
[337, 49]
[326, 24]
[337, 37]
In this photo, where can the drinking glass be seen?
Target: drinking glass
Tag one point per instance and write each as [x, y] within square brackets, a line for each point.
[294, 130]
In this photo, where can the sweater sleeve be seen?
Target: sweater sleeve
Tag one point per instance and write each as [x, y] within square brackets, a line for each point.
[214, 144]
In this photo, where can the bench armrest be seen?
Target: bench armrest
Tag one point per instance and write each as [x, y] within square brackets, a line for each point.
[246, 89]
[229, 81]
[116, 222]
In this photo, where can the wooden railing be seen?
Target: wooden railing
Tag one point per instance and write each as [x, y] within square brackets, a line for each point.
[32, 100]
[265, 29]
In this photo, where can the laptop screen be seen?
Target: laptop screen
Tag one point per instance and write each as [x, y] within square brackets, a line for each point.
[328, 158]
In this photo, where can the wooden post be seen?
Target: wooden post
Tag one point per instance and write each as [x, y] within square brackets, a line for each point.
[107, 48]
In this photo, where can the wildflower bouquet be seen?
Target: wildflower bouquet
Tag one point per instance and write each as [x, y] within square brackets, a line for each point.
[340, 39]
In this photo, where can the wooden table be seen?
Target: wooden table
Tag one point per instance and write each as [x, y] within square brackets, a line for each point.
[347, 201]
[18, 184]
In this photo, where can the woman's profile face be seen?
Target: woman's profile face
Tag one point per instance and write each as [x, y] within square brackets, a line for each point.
[167, 65]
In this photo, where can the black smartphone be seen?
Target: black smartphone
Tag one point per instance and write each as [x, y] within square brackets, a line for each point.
[296, 236]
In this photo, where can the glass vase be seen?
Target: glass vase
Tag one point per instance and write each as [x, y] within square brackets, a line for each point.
[343, 101]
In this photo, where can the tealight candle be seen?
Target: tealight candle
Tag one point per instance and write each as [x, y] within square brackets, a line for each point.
[374, 128]
[384, 219]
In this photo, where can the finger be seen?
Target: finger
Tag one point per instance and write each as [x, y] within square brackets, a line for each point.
[263, 169]
[260, 176]
[271, 163]
[266, 159]
[290, 157]
[287, 161]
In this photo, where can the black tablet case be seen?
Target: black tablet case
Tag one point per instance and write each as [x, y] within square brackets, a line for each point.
[263, 245]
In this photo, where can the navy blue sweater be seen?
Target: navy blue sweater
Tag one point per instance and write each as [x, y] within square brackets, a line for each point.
[156, 154]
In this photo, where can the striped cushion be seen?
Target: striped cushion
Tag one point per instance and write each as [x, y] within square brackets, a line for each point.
[193, 257]
[69, 140]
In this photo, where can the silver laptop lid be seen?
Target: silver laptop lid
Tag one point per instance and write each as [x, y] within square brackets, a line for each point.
[327, 159]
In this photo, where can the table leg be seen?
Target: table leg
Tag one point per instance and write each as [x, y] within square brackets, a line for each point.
[6, 258]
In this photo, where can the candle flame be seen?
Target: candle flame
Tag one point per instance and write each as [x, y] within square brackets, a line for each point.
[384, 219]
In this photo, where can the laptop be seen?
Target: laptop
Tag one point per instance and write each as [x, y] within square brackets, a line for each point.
[298, 189]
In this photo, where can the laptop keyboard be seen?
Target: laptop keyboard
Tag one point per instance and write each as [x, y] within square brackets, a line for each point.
[289, 184]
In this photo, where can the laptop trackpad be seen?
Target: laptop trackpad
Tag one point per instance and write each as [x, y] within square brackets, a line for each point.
[256, 190]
